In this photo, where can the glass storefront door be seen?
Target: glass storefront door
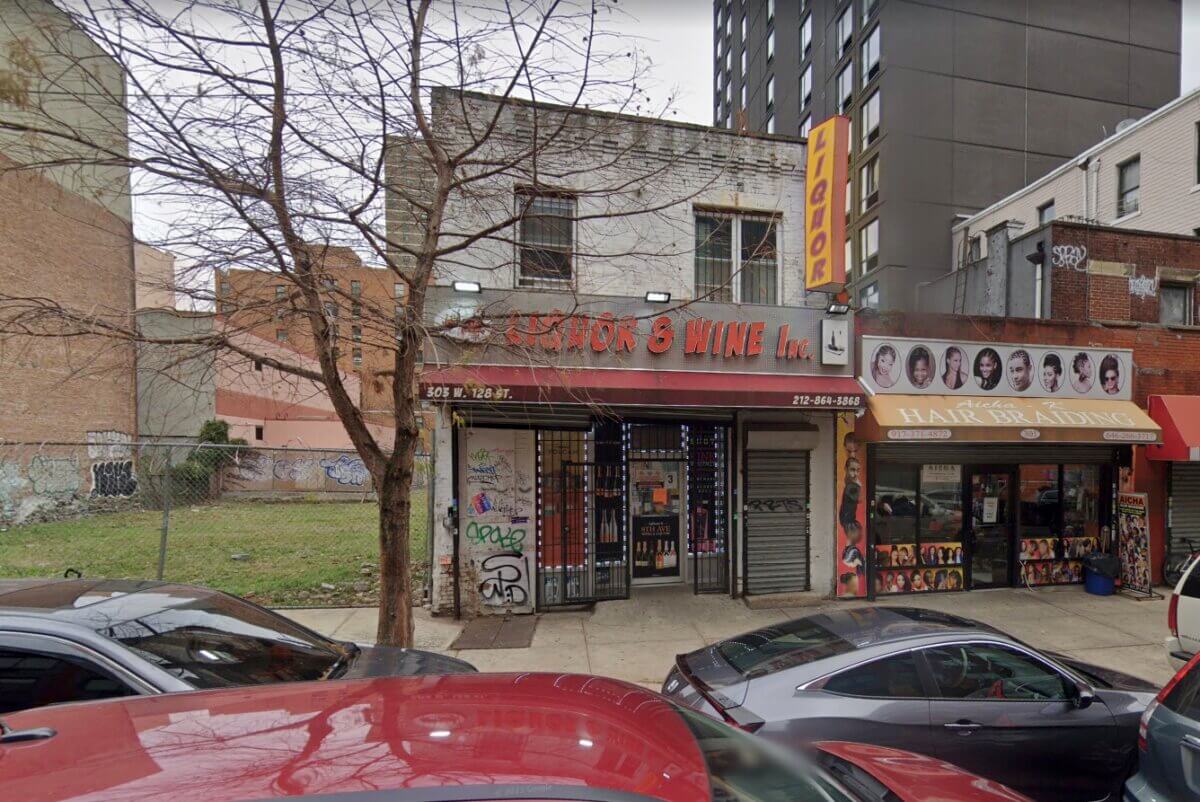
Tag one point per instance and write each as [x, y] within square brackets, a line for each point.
[656, 509]
[991, 528]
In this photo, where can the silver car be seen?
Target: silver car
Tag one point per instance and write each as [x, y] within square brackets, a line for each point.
[1169, 741]
[78, 640]
[944, 686]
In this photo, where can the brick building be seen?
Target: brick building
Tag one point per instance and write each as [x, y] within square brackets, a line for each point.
[658, 385]
[66, 235]
[360, 301]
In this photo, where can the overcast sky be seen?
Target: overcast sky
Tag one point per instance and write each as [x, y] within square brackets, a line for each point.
[663, 25]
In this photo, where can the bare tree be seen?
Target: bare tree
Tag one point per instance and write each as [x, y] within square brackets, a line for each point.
[258, 133]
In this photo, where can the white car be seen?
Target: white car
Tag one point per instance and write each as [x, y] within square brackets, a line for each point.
[1183, 617]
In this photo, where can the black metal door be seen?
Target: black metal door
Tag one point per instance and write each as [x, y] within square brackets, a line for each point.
[586, 559]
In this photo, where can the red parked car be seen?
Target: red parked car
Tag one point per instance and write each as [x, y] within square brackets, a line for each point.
[453, 737]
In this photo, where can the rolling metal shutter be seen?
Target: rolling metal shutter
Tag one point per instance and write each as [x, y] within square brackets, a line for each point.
[775, 512]
[1185, 508]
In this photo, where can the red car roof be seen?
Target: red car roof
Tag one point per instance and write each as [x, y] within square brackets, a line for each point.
[299, 739]
[916, 778]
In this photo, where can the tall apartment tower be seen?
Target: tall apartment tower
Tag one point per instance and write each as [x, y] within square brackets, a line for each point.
[955, 103]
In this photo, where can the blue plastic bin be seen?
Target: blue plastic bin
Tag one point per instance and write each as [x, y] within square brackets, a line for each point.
[1097, 584]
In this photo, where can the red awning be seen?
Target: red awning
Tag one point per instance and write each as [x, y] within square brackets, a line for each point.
[663, 388]
[1179, 417]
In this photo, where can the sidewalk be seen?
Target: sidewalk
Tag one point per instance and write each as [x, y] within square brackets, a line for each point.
[637, 639]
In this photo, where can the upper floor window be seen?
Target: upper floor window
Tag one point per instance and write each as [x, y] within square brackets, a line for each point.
[770, 93]
[399, 289]
[356, 356]
[1175, 304]
[728, 63]
[770, 124]
[870, 120]
[280, 292]
[744, 62]
[868, 8]
[975, 248]
[870, 56]
[806, 36]
[743, 30]
[868, 246]
[728, 20]
[868, 297]
[845, 88]
[546, 237]
[1046, 212]
[737, 258]
[743, 97]
[770, 44]
[870, 183]
[806, 79]
[1129, 182]
[1198, 154]
[770, 10]
[281, 335]
[356, 333]
[805, 126]
[844, 30]
[356, 288]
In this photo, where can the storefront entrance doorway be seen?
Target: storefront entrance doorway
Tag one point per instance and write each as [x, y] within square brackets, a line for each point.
[991, 534]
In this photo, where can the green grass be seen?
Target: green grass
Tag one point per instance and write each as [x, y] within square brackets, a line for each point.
[292, 549]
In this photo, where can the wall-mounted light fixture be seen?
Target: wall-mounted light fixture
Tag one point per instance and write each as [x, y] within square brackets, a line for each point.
[467, 286]
[658, 297]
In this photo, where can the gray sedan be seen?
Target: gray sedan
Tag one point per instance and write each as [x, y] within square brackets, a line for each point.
[944, 686]
[76, 640]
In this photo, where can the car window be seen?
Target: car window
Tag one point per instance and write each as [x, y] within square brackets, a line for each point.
[1191, 585]
[785, 645]
[742, 768]
[33, 679]
[214, 640]
[980, 671]
[893, 677]
[1184, 698]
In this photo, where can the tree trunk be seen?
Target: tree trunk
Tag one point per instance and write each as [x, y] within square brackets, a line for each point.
[395, 572]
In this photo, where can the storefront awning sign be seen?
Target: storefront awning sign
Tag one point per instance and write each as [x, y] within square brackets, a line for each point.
[899, 418]
[1179, 417]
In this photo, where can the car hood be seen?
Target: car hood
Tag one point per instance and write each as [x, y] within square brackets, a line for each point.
[916, 778]
[390, 661]
[1114, 679]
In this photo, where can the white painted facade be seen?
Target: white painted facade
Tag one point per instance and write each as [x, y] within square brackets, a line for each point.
[667, 172]
[1167, 143]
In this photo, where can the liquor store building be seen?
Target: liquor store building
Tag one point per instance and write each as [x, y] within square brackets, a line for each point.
[982, 465]
[582, 456]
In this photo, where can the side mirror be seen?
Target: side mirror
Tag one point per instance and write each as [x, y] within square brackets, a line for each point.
[1083, 697]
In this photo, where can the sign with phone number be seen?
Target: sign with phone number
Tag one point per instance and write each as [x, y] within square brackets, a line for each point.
[468, 392]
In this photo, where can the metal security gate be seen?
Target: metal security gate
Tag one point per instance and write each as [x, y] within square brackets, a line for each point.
[1185, 509]
[775, 515]
[708, 514]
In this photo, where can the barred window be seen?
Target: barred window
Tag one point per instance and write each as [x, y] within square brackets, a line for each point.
[737, 258]
[546, 237]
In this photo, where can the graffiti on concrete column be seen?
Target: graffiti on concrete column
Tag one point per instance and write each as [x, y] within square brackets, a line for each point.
[113, 478]
[505, 580]
[54, 476]
[346, 470]
[12, 487]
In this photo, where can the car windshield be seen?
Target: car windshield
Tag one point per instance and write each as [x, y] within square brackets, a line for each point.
[776, 648]
[742, 768]
[213, 640]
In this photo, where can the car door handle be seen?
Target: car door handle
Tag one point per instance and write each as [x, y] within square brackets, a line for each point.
[1191, 742]
[965, 727]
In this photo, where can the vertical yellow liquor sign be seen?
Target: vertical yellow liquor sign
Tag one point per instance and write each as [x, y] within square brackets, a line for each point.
[825, 206]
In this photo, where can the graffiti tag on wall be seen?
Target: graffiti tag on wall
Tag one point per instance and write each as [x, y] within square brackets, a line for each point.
[505, 580]
[109, 445]
[294, 470]
[1072, 256]
[346, 470]
[12, 487]
[54, 476]
[114, 478]
[502, 535]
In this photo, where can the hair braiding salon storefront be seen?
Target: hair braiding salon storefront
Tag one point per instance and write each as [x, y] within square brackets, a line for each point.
[982, 465]
[582, 454]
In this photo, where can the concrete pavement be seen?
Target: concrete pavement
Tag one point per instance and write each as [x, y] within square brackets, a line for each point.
[637, 639]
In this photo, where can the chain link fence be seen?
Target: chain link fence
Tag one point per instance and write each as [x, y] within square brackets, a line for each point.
[281, 526]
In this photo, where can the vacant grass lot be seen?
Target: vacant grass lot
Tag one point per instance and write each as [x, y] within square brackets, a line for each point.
[277, 554]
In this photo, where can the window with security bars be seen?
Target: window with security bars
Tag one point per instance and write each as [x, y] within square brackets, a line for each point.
[1129, 184]
[546, 238]
[737, 258]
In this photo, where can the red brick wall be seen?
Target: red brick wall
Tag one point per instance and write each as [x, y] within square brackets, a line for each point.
[1078, 295]
[59, 246]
